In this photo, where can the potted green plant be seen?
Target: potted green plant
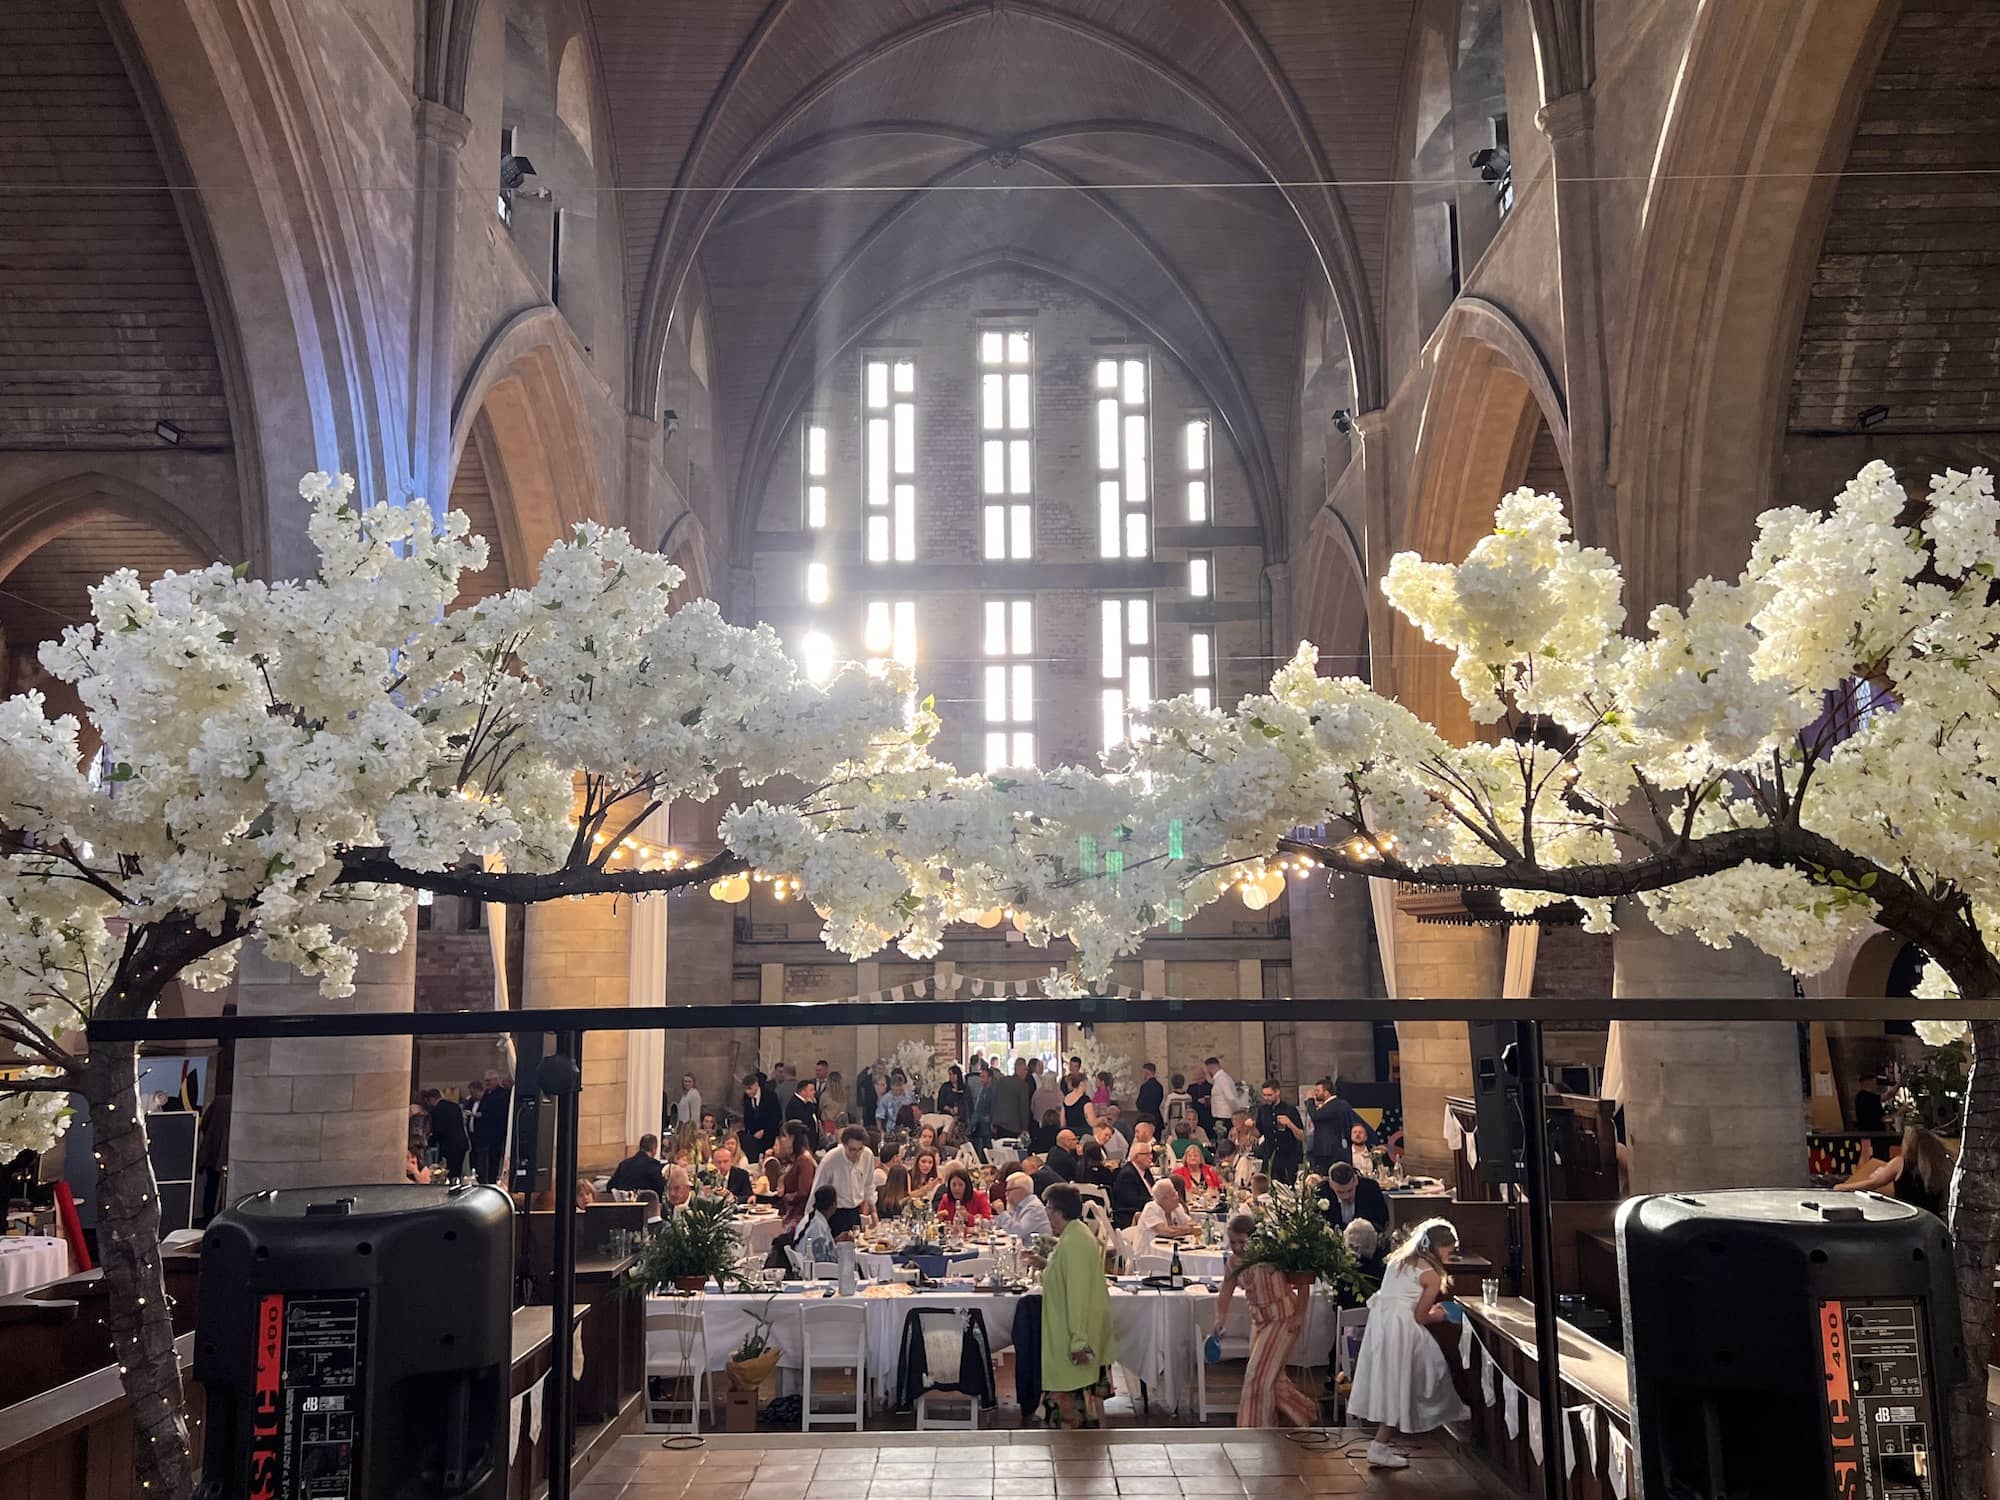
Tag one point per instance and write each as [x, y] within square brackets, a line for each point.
[697, 1242]
[1294, 1235]
[750, 1363]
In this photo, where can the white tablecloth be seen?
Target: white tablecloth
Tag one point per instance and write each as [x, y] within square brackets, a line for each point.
[1159, 1333]
[758, 1232]
[33, 1261]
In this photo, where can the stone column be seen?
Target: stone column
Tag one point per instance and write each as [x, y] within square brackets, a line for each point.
[1437, 962]
[701, 948]
[441, 135]
[1333, 959]
[321, 1111]
[1566, 121]
[578, 953]
[1707, 1105]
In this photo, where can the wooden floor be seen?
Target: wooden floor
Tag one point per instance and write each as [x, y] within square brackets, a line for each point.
[1020, 1465]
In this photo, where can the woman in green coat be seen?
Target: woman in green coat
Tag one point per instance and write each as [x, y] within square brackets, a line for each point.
[1078, 1348]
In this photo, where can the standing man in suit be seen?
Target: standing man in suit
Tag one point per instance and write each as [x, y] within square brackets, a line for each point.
[489, 1129]
[448, 1132]
[1281, 1135]
[1152, 1095]
[1355, 1197]
[1332, 1118]
[763, 1117]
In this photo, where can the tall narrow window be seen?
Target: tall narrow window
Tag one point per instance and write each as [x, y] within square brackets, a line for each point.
[1006, 445]
[891, 632]
[1201, 576]
[1008, 644]
[819, 586]
[1201, 667]
[816, 655]
[1195, 463]
[1124, 493]
[889, 395]
[814, 446]
[1126, 651]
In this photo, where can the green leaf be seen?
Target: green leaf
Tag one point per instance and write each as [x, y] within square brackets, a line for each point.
[240, 571]
[227, 637]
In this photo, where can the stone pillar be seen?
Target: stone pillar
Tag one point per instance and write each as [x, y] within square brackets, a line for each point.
[1437, 962]
[701, 949]
[578, 953]
[441, 136]
[1333, 959]
[1566, 121]
[321, 1111]
[1707, 1104]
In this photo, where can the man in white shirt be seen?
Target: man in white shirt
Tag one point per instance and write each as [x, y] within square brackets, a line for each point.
[850, 1172]
[1225, 1098]
[1163, 1219]
[688, 1110]
[1023, 1217]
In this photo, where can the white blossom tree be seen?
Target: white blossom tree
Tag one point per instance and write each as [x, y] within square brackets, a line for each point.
[281, 762]
[1696, 767]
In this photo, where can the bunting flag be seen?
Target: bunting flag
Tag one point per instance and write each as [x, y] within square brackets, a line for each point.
[1467, 1344]
[1590, 1421]
[1621, 1462]
[1489, 1375]
[1569, 1447]
[992, 989]
[1534, 1427]
[576, 1354]
[1513, 1395]
[535, 1393]
[515, 1412]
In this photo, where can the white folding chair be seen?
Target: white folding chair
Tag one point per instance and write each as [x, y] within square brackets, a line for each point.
[677, 1349]
[836, 1338]
[1234, 1346]
[1090, 1190]
[979, 1265]
[927, 1404]
[1349, 1325]
[1153, 1263]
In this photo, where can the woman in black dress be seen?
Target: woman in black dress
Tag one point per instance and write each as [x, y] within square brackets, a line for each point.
[1919, 1175]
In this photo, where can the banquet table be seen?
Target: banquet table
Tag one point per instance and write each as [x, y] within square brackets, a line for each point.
[1159, 1332]
[31, 1261]
[759, 1232]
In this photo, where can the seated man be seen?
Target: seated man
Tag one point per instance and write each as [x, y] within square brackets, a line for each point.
[734, 1180]
[641, 1172]
[680, 1188]
[1352, 1196]
[1040, 1173]
[1023, 1217]
[1062, 1156]
[1132, 1187]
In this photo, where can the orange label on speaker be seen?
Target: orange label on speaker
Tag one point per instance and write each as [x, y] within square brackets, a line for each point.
[1843, 1438]
[267, 1411]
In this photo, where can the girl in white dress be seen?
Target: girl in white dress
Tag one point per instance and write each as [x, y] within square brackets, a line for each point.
[1402, 1380]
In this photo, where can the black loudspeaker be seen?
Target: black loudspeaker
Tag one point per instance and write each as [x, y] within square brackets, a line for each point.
[1788, 1346]
[1496, 1091]
[356, 1344]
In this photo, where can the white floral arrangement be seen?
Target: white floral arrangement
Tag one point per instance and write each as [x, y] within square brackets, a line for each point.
[1098, 1058]
[919, 1062]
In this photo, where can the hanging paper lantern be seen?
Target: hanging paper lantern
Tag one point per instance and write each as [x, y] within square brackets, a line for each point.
[989, 919]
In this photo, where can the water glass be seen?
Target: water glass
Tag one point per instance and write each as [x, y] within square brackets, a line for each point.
[1489, 1292]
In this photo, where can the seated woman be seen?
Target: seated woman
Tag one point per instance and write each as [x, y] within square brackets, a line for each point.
[924, 1178]
[1919, 1175]
[1165, 1218]
[894, 1194]
[1195, 1175]
[961, 1203]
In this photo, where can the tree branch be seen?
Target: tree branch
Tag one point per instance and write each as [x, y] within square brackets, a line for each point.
[375, 867]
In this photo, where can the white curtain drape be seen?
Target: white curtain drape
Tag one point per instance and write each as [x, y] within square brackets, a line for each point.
[646, 1051]
[1382, 901]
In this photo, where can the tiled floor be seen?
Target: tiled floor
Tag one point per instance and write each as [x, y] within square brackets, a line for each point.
[1018, 1465]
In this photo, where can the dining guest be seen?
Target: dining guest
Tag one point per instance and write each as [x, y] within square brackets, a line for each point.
[583, 1192]
[1351, 1196]
[1244, 1137]
[448, 1133]
[763, 1118]
[1114, 1146]
[850, 1173]
[1200, 1093]
[889, 1109]
[1332, 1120]
[414, 1170]
[951, 1093]
[732, 1176]
[815, 1237]
[795, 1150]
[1194, 1174]
[1151, 1096]
[924, 1178]
[711, 1128]
[1092, 1170]
[833, 1099]
[1063, 1155]
[1277, 1314]
[1281, 1134]
[961, 1203]
[1012, 1096]
[1919, 1175]
[1023, 1217]
[893, 1196]
[1046, 1132]
[1132, 1187]
[1040, 1173]
[687, 1108]
[803, 1107]
[1365, 1243]
[1402, 1381]
[1361, 1149]
[1047, 1093]
[1078, 1345]
[680, 1188]
[641, 1172]
[1164, 1218]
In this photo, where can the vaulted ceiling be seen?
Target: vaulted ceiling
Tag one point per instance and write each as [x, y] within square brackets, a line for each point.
[821, 162]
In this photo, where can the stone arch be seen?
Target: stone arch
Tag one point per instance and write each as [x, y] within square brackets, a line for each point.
[1730, 230]
[57, 541]
[573, 95]
[522, 404]
[1493, 419]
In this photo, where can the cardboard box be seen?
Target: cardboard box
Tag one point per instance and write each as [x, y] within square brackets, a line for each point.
[739, 1411]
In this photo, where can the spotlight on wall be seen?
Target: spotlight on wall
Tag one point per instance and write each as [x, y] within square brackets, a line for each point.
[514, 170]
[1493, 162]
[1343, 420]
[167, 433]
[1871, 416]
[670, 421]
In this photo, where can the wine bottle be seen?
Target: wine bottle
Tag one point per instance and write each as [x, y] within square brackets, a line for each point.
[1176, 1277]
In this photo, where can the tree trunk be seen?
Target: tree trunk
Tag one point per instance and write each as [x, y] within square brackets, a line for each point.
[128, 1242]
[1975, 1234]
